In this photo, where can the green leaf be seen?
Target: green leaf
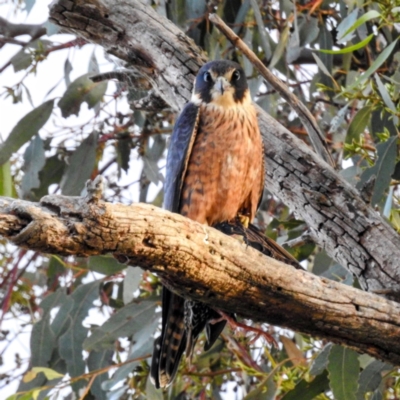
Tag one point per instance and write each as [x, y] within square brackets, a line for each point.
[325, 42]
[386, 98]
[372, 14]
[344, 369]
[321, 66]
[261, 28]
[35, 160]
[349, 49]
[358, 124]
[43, 339]
[70, 343]
[81, 90]
[80, 168]
[320, 362]
[155, 394]
[380, 122]
[23, 59]
[371, 377]
[383, 169]
[106, 265]
[143, 346]
[346, 24]
[280, 48]
[25, 129]
[61, 321]
[309, 390]
[6, 183]
[98, 360]
[48, 372]
[123, 149]
[396, 172]
[125, 322]
[339, 274]
[52, 172]
[67, 70]
[375, 65]
[308, 30]
[377, 395]
[132, 281]
[43, 342]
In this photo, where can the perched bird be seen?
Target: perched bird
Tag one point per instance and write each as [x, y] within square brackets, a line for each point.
[215, 173]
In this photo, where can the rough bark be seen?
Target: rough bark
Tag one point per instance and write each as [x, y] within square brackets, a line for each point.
[204, 264]
[350, 231]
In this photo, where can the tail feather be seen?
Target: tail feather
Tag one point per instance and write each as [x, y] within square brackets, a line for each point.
[170, 346]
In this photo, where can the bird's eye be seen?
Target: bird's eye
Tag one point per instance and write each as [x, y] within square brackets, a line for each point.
[207, 76]
[235, 75]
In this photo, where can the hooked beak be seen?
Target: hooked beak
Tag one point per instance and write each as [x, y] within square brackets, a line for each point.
[221, 85]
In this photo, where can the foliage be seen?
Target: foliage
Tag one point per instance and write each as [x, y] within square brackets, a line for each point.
[342, 60]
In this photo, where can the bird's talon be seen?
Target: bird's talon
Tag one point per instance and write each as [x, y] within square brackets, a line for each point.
[244, 220]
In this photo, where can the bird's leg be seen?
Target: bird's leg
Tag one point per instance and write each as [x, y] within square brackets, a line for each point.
[235, 324]
[244, 220]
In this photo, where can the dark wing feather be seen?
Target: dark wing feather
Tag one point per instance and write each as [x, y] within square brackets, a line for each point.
[179, 152]
[168, 348]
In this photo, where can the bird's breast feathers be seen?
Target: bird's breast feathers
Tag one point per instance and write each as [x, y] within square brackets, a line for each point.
[225, 169]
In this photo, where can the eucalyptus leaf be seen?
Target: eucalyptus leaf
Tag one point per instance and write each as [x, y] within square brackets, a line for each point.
[142, 346]
[6, 183]
[386, 98]
[124, 323]
[106, 265]
[383, 169]
[308, 390]
[358, 124]
[325, 42]
[98, 360]
[372, 14]
[52, 172]
[132, 281]
[80, 168]
[345, 27]
[383, 56]
[371, 377]
[320, 362]
[349, 49]
[27, 127]
[344, 370]
[35, 160]
[70, 343]
[81, 90]
[280, 48]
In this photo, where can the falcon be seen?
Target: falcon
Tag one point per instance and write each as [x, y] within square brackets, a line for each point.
[215, 173]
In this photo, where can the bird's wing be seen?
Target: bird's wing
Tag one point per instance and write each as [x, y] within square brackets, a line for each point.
[180, 147]
[169, 347]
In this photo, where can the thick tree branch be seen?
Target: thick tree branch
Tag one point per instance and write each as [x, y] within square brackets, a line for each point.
[351, 232]
[201, 263]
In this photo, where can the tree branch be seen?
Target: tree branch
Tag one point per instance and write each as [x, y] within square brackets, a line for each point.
[10, 30]
[338, 219]
[203, 264]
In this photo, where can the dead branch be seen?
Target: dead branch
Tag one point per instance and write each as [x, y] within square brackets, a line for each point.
[203, 264]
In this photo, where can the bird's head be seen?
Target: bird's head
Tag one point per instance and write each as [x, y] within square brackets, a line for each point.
[221, 83]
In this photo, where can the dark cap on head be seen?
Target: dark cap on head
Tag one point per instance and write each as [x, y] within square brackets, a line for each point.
[208, 73]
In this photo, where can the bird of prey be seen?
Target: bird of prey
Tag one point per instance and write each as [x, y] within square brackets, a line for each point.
[215, 173]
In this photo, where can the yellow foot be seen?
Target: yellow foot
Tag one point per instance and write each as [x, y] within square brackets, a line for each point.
[245, 220]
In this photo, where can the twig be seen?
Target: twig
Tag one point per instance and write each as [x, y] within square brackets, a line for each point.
[315, 134]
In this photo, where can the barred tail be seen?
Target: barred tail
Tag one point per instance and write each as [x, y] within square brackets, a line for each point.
[169, 347]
